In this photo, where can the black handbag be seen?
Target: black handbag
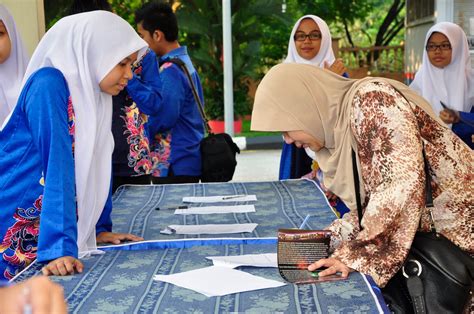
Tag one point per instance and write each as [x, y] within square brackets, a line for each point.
[218, 151]
[436, 277]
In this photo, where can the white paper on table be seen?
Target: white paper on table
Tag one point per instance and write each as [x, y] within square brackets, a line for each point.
[212, 229]
[255, 260]
[218, 281]
[216, 210]
[219, 198]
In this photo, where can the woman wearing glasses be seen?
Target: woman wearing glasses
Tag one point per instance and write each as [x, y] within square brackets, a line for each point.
[310, 43]
[446, 78]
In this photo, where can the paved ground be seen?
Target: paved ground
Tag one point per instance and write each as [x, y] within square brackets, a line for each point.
[257, 165]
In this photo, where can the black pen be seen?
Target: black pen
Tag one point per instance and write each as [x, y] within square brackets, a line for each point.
[232, 197]
[173, 207]
[444, 106]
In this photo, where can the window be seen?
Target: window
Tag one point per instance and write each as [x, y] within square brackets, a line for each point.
[419, 9]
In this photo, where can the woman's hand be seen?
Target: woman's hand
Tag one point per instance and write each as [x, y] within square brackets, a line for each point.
[63, 266]
[333, 266]
[36, 295]
[449, 116]
[337, 67]
[116, 238]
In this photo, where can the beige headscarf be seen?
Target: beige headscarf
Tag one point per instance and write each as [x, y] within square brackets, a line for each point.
[294, 97]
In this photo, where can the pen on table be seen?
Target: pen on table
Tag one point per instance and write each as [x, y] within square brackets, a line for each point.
[173, 207]
[305, 221]
[232, 196]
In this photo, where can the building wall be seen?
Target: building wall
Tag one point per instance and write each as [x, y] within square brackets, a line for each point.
[460, 12]
[414, 46]
[29, 18]
[464, 15]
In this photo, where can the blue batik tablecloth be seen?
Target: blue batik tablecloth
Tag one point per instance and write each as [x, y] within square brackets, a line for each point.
[120, 281]
[280, 204]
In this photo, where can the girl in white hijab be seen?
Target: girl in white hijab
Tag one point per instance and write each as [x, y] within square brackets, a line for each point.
[58, 143]
[388, 126]
[446, 76]
[310, 43]
[13, 62]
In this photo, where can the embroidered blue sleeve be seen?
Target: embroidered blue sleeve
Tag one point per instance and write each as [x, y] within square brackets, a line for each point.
[145, 86]
[46, 110]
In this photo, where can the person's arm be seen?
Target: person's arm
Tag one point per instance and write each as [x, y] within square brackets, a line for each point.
[390, 151]
[173, 93]
[146, 90]
[46, 108]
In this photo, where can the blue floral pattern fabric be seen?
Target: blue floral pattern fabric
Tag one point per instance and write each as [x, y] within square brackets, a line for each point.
[281, 204]
[121, 282]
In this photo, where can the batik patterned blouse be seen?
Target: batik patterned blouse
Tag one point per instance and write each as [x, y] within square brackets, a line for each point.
[142, 97]
[390, 134]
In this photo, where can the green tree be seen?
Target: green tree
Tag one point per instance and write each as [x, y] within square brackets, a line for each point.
[201, 24]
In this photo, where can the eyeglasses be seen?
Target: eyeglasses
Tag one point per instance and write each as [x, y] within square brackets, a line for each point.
[302, 36]
[442, 47]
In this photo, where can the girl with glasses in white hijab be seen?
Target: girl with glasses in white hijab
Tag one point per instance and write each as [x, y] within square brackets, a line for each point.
[310, 43]
[446, 78]
[13, 62]
[56, 148]
[388, 126]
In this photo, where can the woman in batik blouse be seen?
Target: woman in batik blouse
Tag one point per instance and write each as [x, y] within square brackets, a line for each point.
[388, 126]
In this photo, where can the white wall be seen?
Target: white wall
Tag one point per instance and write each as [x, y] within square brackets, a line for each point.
[460, 12]
[29, 18]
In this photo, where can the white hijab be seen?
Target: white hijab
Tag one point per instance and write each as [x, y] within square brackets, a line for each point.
[13, 69]
[325, 52]
[85, 48]
[454, 84]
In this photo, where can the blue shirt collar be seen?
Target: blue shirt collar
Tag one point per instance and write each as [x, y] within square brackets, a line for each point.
[180, 51]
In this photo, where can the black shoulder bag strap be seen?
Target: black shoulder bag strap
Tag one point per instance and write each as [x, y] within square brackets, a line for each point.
[414, 283]
[183, 67]
[355, 173]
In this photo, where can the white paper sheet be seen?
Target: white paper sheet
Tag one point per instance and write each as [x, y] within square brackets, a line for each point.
[255, 260]
[218, 281]
[219, 198]
[216, 210]
[210, 229]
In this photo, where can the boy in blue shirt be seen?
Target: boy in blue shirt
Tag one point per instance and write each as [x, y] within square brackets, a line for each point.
[177, 129]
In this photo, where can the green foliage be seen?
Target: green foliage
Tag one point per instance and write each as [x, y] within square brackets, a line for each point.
[55, 10]
[201, 27]
[126, 8]
[260, 33]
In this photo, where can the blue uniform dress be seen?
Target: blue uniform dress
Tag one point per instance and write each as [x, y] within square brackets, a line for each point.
[465, 127]
[177, 129]
[37, 180]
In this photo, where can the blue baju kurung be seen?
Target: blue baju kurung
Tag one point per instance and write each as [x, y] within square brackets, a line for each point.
[38, 212]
